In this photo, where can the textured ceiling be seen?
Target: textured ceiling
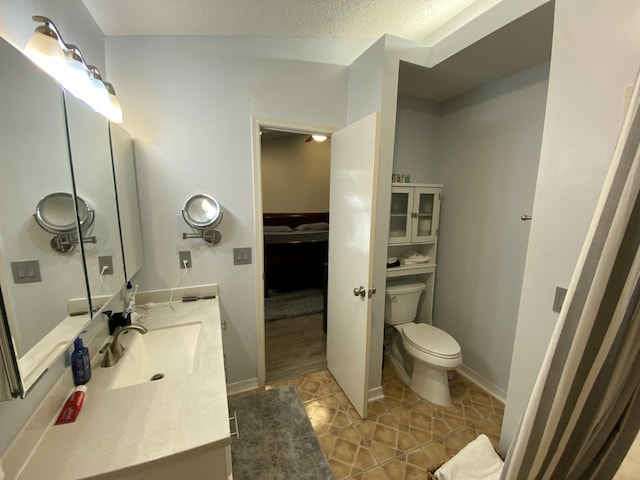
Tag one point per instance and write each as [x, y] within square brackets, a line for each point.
[359, 19]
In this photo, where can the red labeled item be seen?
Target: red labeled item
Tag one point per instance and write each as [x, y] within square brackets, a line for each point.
[72, 406]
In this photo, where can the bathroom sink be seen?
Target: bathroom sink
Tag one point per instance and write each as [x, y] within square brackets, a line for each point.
[158, 354]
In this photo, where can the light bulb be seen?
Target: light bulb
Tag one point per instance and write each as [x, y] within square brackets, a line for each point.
[44, 50]
[76, 77]
[115, 112]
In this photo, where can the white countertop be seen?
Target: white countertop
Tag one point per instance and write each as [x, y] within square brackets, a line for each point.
[118, 431]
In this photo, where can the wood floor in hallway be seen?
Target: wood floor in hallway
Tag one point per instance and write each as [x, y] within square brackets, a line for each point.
[294, 347]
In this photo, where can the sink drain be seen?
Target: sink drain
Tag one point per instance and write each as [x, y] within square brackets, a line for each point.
[157, 376]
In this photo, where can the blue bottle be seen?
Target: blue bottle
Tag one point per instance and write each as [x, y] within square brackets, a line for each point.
[80, 363]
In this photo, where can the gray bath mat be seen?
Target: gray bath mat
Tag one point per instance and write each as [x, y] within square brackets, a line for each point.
[276, 440]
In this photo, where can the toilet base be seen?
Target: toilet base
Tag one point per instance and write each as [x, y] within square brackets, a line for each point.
[431, 384]
[428, 382]
[398, 367]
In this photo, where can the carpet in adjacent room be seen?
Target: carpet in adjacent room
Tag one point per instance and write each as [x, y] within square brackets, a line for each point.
[293, 303]
[276, 440]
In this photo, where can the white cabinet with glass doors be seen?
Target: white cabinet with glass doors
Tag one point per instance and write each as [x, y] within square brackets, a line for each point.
[414, 213]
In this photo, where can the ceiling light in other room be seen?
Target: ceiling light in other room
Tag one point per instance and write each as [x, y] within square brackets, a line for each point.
[318, 137]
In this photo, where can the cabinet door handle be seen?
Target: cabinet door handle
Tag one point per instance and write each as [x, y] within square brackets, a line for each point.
[524, 218]
[236, 432]
[359, 291]
[372, 291]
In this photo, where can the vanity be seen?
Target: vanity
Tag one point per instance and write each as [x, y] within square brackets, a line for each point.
[70, 243]
[154, 429]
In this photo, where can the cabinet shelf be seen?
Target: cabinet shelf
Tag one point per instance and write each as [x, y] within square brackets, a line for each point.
[405, 270]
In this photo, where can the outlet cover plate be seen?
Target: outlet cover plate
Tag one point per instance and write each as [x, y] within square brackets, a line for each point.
[105, 261]
[185, 255]
[558, 299]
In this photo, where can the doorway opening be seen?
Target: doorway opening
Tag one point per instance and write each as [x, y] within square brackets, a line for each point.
[293, 221]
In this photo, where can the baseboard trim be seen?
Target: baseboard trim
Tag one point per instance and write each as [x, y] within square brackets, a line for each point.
[243, 386]
[487, 385]
[252, 383]
[375, 394]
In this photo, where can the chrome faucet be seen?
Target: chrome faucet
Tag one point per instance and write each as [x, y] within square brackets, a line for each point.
[114, 350]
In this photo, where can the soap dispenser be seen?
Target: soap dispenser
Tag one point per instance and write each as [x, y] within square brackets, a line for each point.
[80, 363]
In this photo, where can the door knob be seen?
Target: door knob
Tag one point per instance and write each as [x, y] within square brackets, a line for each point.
[359, 291]
[372, 291]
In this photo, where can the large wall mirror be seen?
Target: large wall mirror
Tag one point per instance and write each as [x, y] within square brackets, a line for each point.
[93, 173]
[128, 203]
[61, 250]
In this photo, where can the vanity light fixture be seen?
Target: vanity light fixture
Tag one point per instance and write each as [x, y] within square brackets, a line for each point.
[65, 63]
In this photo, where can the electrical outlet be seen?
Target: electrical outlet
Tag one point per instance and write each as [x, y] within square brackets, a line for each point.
[558, 299]
[106, 261]
[185, 255]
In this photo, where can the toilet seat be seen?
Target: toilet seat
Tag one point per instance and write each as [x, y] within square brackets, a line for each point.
[431, 341]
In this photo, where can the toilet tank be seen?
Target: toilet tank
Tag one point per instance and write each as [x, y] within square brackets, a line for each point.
[401, 301]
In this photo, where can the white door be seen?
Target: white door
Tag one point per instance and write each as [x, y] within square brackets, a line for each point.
[354, 177]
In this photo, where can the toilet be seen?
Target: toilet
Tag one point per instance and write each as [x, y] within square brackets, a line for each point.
[420, 354]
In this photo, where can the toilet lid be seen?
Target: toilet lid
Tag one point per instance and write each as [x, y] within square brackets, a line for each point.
[431, 340]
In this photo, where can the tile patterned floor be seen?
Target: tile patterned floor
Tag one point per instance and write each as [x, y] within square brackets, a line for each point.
[404, 434]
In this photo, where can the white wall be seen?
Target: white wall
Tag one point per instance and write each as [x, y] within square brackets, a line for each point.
[488, 161]
[417, 138]
[295, 175]
[188, 103]
[595, 56]
[483, 147]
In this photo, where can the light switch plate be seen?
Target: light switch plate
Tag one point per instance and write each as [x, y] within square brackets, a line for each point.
[242, 256]
[26, 272]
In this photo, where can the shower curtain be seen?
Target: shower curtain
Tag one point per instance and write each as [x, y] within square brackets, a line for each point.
[584, 412]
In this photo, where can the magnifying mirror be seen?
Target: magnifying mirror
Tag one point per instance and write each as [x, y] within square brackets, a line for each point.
[56, 214]
[202, 213]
